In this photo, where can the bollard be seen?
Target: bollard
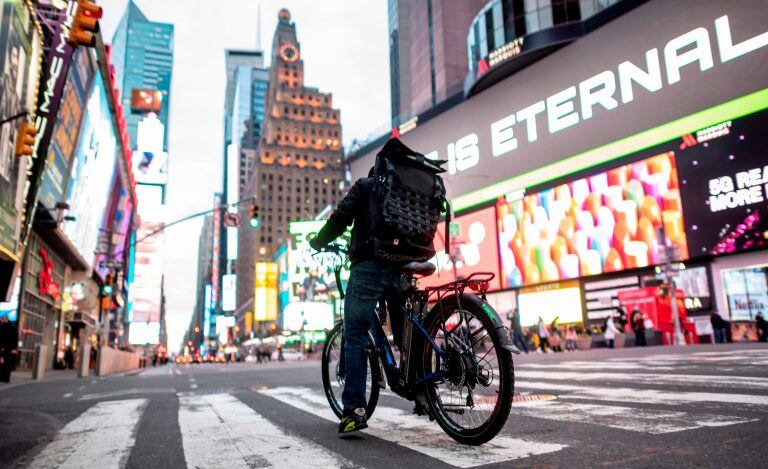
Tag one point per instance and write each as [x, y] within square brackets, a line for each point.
[85, 358]
[38, 363]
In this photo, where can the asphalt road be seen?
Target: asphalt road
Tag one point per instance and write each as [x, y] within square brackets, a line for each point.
[702, 406]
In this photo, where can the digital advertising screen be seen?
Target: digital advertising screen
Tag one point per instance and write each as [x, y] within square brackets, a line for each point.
[142, 333]
[555, 301]
[265, 291]
[607, 222]
[309, 316]
[143, 100]
[92, 174]
[475, 249]
[311, 274]
[67, 129]
[723, 174]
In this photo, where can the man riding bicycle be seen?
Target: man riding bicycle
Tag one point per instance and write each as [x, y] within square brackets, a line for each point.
[370, 278]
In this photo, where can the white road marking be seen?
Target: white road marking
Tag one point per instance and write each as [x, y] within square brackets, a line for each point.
[625, 418]
[193, 386]
[417, 433]
[220, 431]
[67, 395]
[746, 382]
[648, 396]
[103, 435]
[125, 392]
[570, 365]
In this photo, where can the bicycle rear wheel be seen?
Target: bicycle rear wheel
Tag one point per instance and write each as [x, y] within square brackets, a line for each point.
[333, 374]
[473, 400]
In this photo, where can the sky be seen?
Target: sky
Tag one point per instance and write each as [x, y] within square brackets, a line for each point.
[344, 46]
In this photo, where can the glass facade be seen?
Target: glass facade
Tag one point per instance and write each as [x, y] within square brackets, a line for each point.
[142, 53]
[501, 22]
[747, 292]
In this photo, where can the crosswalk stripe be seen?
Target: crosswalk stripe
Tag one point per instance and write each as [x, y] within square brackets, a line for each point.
[648, 396]
[746, 382]
[625, 418]
[105, 433]
[218, 430]
[580, 365]
[417, 433]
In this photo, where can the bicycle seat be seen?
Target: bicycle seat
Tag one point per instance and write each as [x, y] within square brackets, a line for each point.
[419, 268]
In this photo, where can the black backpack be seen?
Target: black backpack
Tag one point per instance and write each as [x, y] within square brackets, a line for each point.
[407, 201]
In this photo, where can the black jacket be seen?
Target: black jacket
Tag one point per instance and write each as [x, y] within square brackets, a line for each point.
[9, 338]
[354, 208]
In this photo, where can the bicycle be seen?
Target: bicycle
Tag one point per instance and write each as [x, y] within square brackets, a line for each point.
[444, 363]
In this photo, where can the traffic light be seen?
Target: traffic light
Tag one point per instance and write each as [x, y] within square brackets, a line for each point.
[106, 290]
[85, 23]
[25, 140]
[254, 222]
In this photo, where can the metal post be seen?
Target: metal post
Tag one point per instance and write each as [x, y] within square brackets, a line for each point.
[678, 338]
[38, 363]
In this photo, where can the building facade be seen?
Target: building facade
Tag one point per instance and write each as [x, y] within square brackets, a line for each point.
[571, 173]
[297, 168]
[142, 52]
[428, 64]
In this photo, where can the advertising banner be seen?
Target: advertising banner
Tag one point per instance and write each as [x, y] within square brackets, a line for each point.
[92, 174]
[558, 301]
[607, 222]
[308, 316]
[150, 162]
[310, 273]
[228, 292]
[143, 100]
[19, 49]
[63, 145]
[148, 279]
[474, 249]
[265, 292]
[724, 182]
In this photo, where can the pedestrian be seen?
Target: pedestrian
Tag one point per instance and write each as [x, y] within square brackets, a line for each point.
[610, 331]
[9, 342]
[621, 318]
[517, 332]
[570, 339]
[718, 326]
[554, 340]
[69, 358]
[762, 327]
[638, 325]
[543, 335]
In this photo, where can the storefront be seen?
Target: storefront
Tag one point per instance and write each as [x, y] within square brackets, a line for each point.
[597, 163]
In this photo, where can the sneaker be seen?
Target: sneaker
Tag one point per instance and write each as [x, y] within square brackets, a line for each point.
[354, 421]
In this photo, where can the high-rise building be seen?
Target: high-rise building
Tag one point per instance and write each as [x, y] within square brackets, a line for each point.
[427, 52]
[298, 163]
[202, 302]
[142, 53]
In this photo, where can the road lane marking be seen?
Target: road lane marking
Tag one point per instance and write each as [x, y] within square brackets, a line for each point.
[625, 418]
[746, 382]
[417, 433]
[125, 392]
[193, 386]
[67, 395]
[220, 431]
[104, 434]
[648, 396]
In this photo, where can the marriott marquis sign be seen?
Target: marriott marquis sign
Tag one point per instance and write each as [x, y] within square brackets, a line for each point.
[607, 89]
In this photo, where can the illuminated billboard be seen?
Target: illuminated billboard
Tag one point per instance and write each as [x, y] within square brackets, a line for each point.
[603, 223]
[228, 292]
[307, 315]
[311, 274]
[144, 333]
[92, 174]
[474, 250]
[561, 301]
[143, 100]
[265, 291]
[148, 273]
[150, 162]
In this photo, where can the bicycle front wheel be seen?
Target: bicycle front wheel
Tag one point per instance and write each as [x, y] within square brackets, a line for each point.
[333, 374]
[473, 399]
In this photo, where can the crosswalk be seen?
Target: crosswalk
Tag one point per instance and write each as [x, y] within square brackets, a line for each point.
[227, 429]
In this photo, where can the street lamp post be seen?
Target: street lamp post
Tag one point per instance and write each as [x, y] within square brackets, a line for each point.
[669, 252]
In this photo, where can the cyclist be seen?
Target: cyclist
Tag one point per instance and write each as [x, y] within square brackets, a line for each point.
[369, 279]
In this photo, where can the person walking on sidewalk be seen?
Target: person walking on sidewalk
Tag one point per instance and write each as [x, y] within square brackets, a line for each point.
[543, 335]
[517, 332]
[9, 342]
[762, 327]
[610, 331]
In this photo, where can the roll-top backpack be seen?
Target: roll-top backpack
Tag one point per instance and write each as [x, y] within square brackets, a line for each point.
[408, 200]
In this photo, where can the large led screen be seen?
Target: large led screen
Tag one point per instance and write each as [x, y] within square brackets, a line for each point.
[473, 250]
[724, 183]
[265, 291]
[92, 174]
[602, 223]
[562, 304]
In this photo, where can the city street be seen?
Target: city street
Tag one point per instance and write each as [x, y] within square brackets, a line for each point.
[698, 406]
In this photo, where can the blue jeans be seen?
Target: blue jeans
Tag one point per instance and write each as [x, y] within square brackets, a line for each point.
[368, 281]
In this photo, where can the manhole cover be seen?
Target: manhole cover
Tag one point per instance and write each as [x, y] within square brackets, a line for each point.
[533, 397]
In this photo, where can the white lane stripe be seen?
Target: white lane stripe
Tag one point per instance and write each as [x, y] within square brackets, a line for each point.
[103, 435]
[649, 396]
[625, 418]
[570, 365]
[417, 433]
[746, 382]
[220, 431]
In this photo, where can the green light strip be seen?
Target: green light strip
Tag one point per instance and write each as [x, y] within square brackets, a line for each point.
[730, 110]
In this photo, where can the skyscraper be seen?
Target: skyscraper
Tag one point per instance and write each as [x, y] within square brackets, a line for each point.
[142, 53]
[298, 163]
[427, 52]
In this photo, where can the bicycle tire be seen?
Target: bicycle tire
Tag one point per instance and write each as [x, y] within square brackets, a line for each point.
[500, 414]
[336, 405]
